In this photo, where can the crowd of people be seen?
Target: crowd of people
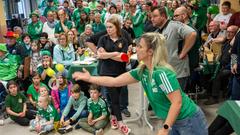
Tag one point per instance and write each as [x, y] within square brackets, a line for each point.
[34, 64]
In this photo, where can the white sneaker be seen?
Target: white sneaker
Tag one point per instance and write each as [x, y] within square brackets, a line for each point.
[99, 132]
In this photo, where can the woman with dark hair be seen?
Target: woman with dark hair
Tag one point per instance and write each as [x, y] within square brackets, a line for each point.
[110, 48]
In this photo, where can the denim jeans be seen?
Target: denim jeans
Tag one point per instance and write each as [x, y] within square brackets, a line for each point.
[195, 125]
[33, 124]
[83, 114]
[235, 93]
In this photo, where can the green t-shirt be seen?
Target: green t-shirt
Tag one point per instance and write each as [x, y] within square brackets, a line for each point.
[59, 28]
[34, 30]
[33, 92]
[49, 114]
[157, 88]
[15, 103]
[97, 108]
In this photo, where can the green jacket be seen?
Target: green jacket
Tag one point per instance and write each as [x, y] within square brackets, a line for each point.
[137, 21]
[8, 67]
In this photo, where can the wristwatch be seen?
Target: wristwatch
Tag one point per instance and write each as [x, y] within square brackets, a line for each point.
[167, 127]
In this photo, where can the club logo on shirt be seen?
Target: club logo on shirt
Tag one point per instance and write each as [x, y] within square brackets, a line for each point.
[19, 100]
[120, 45]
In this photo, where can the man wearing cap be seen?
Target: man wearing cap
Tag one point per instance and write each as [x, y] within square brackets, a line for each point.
[35, 27]
[77, 13]
[8, 64]
[12, 46]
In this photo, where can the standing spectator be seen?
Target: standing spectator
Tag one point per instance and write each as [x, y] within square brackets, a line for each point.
[175, 32]
[137, 20]
[35, 27]
[110, 47]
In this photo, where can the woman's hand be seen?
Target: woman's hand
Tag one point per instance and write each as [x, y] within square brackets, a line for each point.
[85, 75]
[234, 69]
[163, 132]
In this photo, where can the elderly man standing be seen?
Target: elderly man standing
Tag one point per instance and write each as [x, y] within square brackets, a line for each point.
[175, 32]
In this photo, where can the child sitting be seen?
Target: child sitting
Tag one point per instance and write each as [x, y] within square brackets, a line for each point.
[98, 116]
[61, 94]
[16, 105]
[46, 115]
[33, 90]
[74, 110]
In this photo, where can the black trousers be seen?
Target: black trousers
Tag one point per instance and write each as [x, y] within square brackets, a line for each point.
[220, 82]
[24, 121]
[220, 126]
[114, 93]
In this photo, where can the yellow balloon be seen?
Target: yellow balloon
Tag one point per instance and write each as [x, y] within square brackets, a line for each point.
[59, 67]
[50, 72]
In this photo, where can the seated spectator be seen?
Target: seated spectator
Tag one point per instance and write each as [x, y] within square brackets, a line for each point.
[46, 115]
[219, 79]
[47, 62]
[63, 52]
[224, 16]
[8, 64]
[35, 57]
[18, 30]
[50, 7]
[61, 94]
[35, 27]
[216, 35]
[127, 26]
[49, 27]
[98, 26]
[45, 43]
[86, 34]
[75, 109]
[98, 116]
[63, 25]
[33, 90]
[16, 105]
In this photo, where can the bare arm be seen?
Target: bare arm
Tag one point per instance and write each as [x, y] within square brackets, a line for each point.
[9, 111]
[100, 118]
[176, 104]
[189, 41]
[121, 80]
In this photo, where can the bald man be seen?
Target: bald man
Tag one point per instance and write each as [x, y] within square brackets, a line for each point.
[181, 15]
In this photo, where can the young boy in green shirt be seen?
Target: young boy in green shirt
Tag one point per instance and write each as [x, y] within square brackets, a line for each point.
[46, 115]
[16, 105]
[98, 116]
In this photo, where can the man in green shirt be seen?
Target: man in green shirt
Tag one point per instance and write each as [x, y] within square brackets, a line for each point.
[50, 7]
[76, 16]
[35, 27]
[63, 25]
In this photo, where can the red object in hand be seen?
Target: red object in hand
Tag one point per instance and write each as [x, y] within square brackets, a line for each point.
[124, 57]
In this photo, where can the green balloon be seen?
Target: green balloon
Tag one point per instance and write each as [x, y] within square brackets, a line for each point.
[213, 9]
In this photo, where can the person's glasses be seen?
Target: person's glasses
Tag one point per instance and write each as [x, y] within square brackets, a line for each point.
[62, 38]
[177, 15]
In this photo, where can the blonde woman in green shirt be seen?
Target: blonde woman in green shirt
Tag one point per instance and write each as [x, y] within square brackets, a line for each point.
[181, 116]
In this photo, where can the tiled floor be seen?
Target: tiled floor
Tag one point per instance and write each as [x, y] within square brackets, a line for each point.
[137, 128]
